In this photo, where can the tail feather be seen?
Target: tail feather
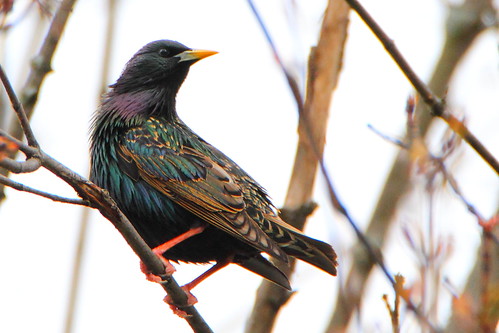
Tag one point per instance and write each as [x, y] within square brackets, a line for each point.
[266, 269]
[314, 252]
[296, 244]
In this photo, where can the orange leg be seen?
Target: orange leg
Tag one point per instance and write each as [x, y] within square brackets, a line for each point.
[215, 268]
[191, 299]
[159, 250]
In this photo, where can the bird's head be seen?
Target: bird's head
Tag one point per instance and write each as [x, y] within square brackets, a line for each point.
[160, 64]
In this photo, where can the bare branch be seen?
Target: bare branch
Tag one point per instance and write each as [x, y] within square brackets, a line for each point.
[76, 272]
[324, 67]
[41, 65]
[397, 181]
[30, 165]
[23, 188]
[312, 137]
[18, 108]
[436, 104]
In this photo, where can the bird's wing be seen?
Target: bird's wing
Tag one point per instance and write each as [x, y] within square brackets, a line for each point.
[195, 182]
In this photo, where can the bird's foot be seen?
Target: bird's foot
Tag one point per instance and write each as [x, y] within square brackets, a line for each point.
[169, 270]
[191, 300]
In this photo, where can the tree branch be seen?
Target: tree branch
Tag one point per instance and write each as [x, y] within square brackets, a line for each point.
[324, 68]
[398, 180]
[23, 188]
[18, 108]
[81, 245]
[30, 165]
[40, 66]
[437, 106]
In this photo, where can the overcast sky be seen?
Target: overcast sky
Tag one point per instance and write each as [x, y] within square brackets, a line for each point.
[239, 101]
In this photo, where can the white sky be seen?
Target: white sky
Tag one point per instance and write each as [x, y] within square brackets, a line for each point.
[239, 101]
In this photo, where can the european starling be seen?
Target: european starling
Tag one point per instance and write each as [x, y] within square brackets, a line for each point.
[186, 198]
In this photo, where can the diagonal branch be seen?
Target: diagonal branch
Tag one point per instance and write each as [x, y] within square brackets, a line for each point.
[18, 108]
[40, 67]
[397, 181]
[436, 104]
[324, 68]
[323, 76]
[41, 63]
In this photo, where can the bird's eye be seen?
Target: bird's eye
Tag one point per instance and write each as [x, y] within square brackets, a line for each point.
[163, 53]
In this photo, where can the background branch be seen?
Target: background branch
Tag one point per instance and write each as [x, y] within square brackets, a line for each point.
[398, 179]
[83, 234]
[475, 24]
[40, 67]
[324, 68]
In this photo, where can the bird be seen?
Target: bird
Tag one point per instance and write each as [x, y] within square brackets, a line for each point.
[187, 199]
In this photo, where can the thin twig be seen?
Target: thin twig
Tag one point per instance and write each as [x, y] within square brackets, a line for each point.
[76, 272]
[40, 67]
[436, 104]
[439, 161]
[293, 84]
[398, 180]
[18, 108]
[325, 64]
[313, 143]
[23, 188]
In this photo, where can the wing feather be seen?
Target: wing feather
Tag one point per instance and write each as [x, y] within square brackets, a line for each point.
[197, 183]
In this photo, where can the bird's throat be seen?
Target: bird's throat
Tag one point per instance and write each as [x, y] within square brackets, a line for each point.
[142, 104]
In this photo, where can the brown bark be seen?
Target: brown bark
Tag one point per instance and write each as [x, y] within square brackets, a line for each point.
[324, 68]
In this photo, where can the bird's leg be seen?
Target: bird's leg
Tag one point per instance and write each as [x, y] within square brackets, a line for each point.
[215, 268]
[191, 299]
[160, 249]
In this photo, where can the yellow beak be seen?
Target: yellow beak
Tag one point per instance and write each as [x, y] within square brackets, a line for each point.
[195, 55]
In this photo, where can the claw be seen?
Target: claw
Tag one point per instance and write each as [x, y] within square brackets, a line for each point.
[191, 300]
[169, 270]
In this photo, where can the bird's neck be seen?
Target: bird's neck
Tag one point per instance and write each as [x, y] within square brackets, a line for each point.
[142, 104]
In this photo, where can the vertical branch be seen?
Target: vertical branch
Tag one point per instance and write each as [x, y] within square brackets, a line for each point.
[486, 319]
[71, 310]
[37, 28]
[324, 68]
[21, 113]
[471, 312]
[41, 63]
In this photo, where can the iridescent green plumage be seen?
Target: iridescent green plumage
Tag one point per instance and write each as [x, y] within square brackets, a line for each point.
[166, 179]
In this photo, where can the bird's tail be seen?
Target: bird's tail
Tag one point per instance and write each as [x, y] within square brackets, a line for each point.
[266, 269]
[313, 251]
